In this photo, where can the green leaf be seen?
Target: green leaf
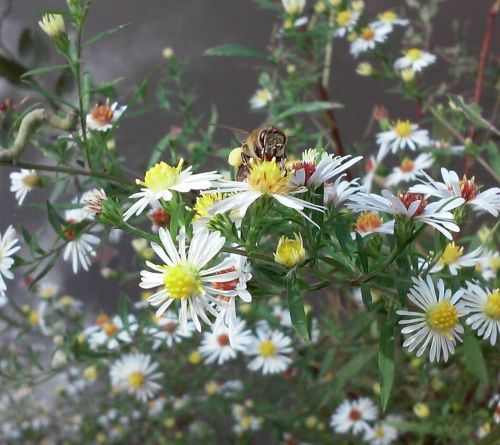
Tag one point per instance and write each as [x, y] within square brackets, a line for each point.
[366, 296]
[307, 107]
[296, 307]
[48, 267]
[362, 253]
[32, 242]
[106, 33]
[44, 70]
[472, 112]
[55, 220]
[474, 359]
[343, 234]
[234, 51]
[386, 359]
[351, 369]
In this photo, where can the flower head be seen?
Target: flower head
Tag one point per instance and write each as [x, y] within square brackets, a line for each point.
[371, 222]
[52, 24]
[261, 98]
[94, 200]
[271, 349]
[368, 38]
[21, 183]
[8, 247]
[290, 251]
[354, 415]
[483, 305]
[294, 7]
[414, 59]
[103, 117]
[345, 21]
[438, 324]
[410, 169]
[454, 259]
[401, 135]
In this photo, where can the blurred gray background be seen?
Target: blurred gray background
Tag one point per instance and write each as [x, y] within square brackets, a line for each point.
[190, 27]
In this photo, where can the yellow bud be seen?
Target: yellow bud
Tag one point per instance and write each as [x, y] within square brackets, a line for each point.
[139, 244]
[101, 438]
[148, 254]
[321, 426]
[52, 24]
[319, 7]
[290, 69]
[351, 37]
[169, 422]
[358, 5]
[26, 309]
[288, 23]
[234, 158]
[111, 144]
[311, 422]
[415, 362]
[33, 318]
[376, 388]
[90, 373]
[421, 410]
[168, 53]
[80, 338]
[364, 69]
[407, 75]
[290, 252]
[245, 308]
[437, 384]
[212, 387]
[335, 3]
[194, 358]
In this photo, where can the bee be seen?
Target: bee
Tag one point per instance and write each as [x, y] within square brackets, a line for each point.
[265, 143]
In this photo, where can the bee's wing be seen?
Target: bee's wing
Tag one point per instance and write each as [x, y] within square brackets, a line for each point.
[240, 135]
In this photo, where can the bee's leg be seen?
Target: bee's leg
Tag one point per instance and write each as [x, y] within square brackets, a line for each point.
[242, 172]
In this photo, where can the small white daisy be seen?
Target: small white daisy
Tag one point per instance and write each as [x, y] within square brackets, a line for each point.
[21, 183]
[8, 247]
[345, 21]
[484, 311]
[437, 324]
[294, 7]
[108, 332]
[389, 18]
[245, 421]
[223, 344]
[47, 290]
[103, 117]
[312, 174]
[162, 179]
[371, 222]
[93, 201]
[184, 277]
[414, 59]
[488, 264]
[453, 186]
[167, 330]
[410, 169]
[410, 205]
[282, 316]
[80, 248]
[401, 135]
[261, 98]
[271, 349]
[338, 192]
[354, 416]
[136, 374]
[381, 434]
[368, 38]
[264, 178]
[454, 259]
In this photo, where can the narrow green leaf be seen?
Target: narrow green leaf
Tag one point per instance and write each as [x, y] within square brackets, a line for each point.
[307, 107]
[386, 359]
[362, 253]
[474, 359]
[366, 296]
[234, 51]
[55, 220]
[473, 113]
[48, 267]
[343, 234]
[351, 369]
[106, 33]
[44, 70]
[296, 307]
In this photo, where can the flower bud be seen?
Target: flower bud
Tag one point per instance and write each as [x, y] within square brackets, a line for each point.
[290, 252]
[407, 75]
[421, 410]
[168, 53]
[52, 25]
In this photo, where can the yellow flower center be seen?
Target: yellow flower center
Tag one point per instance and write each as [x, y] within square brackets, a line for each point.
[368, 34]
[246, 422]
[203, 205]
[33, 318]
[388, 16]
[161, 176]
[451, 254]
[368, 222]
[414, 54]
[290, 252]
[403, 128]
[263, 95]
[182, 281]
[492, 306]
[495, 263]
[267, 349]
[136, 379]
[31, 180]
[379, 432]
[344, 18]
[407, 165]
[443, 317]
[110, 329]
[267, 177]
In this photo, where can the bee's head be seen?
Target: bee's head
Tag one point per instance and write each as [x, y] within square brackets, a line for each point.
[272, 141]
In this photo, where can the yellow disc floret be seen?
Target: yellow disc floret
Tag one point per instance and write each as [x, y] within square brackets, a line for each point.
[414, 54]
[136, 379]
[443, 317]
[492, 306]
[403, 128]
[451, 254]
[290, 251]
[267, 349]
[267, 177]
[388, 16]
[182, 281]
[344, 18]
[161, 176]
[203, 204]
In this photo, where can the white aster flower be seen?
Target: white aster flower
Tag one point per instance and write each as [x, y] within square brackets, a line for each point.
[185, 277]
[136, 374]
[167, 330]
[312, 174]
[271, 349]
[454, 259]
[21, 183]
[110, 332]
[446, 147]
[354, 416]
[8, 247]
[345, 21]
[381, 434]
[294, 7]
[93, 200]
[282, 316]
[47, 290]
[389, 18]
[371, 222]
[410, 205]
[261, 98]
[369, 37]
[264, 178]
[338, 192]
[223, 344]
[245, 421]
[484, 311]
[414, 59]
[401, 135]
[80, 247]
[453, 186]
[410, 169]
[162, 179]
[438, 322]
[488, 264]
[104, 117]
